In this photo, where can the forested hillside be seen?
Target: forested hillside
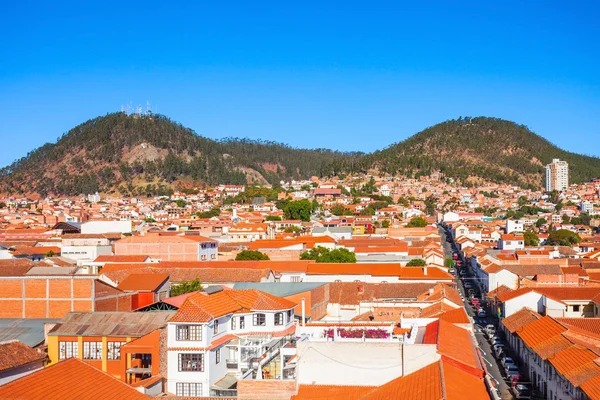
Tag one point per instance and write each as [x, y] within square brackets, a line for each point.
[151, 155]
[146, 155]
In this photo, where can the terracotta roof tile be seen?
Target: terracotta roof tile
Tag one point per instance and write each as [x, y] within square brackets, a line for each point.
[331, 392]
[203, 308]
[143, 282]
[15, 354]
[71, 379]
[591, 325]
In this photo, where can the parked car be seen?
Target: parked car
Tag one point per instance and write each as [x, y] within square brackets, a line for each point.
[495, 339]
[452, 270]
[521, 391]
[481, 313]
[468, 285]
[475, 302]
[490, 330]
[512, 370]
[497, 348]
[507, 360]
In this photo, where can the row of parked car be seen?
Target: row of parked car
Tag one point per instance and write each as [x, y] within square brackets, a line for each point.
[508, 363]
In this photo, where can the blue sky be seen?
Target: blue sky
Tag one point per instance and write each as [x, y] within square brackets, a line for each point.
[343, 75]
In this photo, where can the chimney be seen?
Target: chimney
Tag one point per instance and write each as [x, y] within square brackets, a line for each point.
[425, 270]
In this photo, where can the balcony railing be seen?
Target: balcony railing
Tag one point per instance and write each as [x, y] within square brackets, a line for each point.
[231, 364]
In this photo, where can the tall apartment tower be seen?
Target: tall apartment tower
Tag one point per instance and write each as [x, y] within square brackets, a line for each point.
[557, 175]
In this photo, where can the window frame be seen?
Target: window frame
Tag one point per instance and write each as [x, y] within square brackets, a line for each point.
[218, 356]
[256, 319]
[71, 347]
[180, 389]
[243, 322]
[92, 350]
[113, 350]
[215, 327]
[233, 323]
[191, 358]
[279, 319]
[188, 333]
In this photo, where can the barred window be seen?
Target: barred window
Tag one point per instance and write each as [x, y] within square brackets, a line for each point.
[259, 319]
[189, 332]
[218, 356]
[191, 362]
[114, 350]
[92, 350]
[68, 350]
[242, 322]
[290, 315]
[233, 327]
[216, 327]
[278, 318]
[189, 389]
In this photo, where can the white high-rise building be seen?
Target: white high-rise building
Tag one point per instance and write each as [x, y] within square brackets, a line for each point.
[557, 175]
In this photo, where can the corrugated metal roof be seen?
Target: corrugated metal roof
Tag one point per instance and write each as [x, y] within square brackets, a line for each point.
[279, 289]
[29, 331]
[111, 323]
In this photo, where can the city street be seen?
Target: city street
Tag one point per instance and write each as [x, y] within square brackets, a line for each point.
[492, 365]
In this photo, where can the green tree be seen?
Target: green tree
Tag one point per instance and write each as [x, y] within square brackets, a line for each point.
[417, 222]
[416, 262]
[180, 203]
[49, 253]
[449, 263]
[531, 238]
[186, 287]
[251, 255]
[430, 204]
[403, 202]
[324, 255]
[2, 204]
[563, 237]
[299, 209]
[522, 201]
[385, 224]
[296, 230]
[565, 219]
[540, 222]
[338, 210]
[149, 220]
[213, 212]
[273, 218]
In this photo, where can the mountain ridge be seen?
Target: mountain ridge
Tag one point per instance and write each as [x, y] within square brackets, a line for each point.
[118, 152]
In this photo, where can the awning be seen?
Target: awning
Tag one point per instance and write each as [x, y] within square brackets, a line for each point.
[229, 381]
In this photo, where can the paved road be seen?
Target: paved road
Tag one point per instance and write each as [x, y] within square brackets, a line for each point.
[492, 366]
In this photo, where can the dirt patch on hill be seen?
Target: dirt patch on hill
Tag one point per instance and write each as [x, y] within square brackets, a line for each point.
[144, 152]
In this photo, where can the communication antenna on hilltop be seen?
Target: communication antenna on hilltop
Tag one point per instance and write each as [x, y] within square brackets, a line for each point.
[122, 108]
[138, 110]
[129, 108]
[148, 110]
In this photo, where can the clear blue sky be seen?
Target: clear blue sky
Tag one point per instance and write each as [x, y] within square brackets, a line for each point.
[350, 76]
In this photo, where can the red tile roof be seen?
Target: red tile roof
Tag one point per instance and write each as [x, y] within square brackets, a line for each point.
[203, 308]
[143, 282]
[519, 319]
[71, 379]
[122, 259]
[15, 354]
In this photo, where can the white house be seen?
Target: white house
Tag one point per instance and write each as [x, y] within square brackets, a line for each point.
[513, 226]
[511, 242]
[225, 334]
[106, 227]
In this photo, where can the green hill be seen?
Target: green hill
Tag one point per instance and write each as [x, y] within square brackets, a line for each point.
[151, 155]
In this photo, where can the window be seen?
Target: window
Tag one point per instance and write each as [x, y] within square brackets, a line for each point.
[218, 356]
[278, 318]
[190, 362]
[92, 350]
[114, 350]
[259, 319]
[189, 389]
[576, 308]
[290, 314]
[68, 350]
[242, 322]
[204, 257]
[216, 327]
[189, 332]
[233, 323]
[213, 256]
[295, 278]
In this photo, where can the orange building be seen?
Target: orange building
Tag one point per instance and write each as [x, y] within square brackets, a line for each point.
[121, 344]
[169, 248]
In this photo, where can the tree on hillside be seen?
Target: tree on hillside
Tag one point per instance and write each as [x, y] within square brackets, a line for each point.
[417, 222]
[299, 209]
[296, 230]
[273, 218]
[251, 255]
[338, 210]
[531, 238]
[186, 287]
[563, 237]
[416, 262]
[449, 263]
[430, 204]
[324, 255]
[50, 254]
[540, 222]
